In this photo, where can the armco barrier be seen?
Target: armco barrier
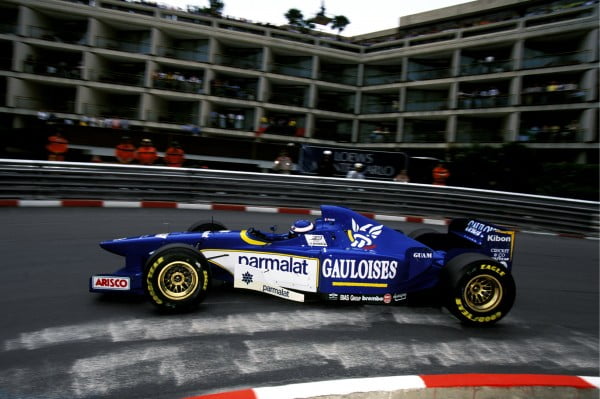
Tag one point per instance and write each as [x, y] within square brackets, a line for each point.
[29, 180]
[473, 386]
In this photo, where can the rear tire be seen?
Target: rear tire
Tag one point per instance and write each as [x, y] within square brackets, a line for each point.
[176, 278]
[207, 225]
[478, 289]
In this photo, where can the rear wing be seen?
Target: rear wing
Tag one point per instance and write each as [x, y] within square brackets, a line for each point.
[497, 242]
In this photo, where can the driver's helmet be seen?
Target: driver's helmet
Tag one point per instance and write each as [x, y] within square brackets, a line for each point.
[301, 226]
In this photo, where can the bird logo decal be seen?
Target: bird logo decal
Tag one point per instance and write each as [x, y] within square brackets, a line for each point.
[363, 236]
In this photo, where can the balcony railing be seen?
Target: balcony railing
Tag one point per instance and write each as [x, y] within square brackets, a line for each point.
[385, 78]
[338, 77]
[182, 85]
[6, 28]
[65, 106]
[111, 111]
[543, 97]
[552, 134]
[180, 118]
[232, 90]
[58, 35]
[291, 70]
[183, 54]
[556, 59]
[122, 45]
[429, 74]
[287, 98]
[483, 67]
[481, 136]
[60, 70]
[120, 78]
[483, 101]
[425, 137]
[426, 105]
[238, 62]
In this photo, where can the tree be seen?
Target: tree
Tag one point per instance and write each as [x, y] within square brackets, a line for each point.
[295, 17]
[215, 7]
[339, 22]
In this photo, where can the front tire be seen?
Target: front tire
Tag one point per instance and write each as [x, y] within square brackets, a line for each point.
[479, 290]
[177, 278]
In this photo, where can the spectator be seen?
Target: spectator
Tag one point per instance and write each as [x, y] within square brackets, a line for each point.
[283, 163]
[57, 147]
[402, 177]
[325, 167]
[174, 155]
[357, 172]
[440, 174]
[146, 153]
[125, 151]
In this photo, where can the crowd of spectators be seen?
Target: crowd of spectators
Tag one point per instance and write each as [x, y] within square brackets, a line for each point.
[552, 92]
[58, 68]
[287, 126]
[229, 120]
[481, 98]
[233, 89]
[551, 132]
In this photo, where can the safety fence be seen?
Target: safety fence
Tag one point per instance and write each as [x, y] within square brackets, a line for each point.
[20, 179]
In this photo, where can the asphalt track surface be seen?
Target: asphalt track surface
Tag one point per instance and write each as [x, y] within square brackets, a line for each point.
[59, 341]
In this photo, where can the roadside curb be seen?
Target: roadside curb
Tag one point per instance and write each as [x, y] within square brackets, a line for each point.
[420, 385]
[91, 203]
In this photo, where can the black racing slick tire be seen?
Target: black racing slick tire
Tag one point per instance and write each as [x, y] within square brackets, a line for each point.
[176, 278]
[478, 289]
[207, 225]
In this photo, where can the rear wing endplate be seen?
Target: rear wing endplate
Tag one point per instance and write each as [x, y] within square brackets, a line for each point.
[497, 242]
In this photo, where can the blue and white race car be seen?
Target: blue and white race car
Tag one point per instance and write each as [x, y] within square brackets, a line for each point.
[342, 256]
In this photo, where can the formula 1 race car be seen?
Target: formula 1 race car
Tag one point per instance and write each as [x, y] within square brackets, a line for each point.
[343, 256]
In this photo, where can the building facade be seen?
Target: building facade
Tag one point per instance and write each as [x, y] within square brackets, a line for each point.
[485, 72]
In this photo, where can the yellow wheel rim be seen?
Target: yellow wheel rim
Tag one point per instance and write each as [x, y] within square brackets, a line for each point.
[178, 280]
[483, 293]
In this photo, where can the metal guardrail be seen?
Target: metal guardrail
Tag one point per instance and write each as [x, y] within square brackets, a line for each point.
[62, 180]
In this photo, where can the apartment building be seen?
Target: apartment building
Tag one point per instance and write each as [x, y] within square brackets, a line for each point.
[486, 73]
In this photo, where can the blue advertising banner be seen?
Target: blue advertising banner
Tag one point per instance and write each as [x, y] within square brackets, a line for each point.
[336, 162]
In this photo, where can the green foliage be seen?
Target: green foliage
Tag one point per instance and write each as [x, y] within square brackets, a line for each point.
[339, 23]
[516, 168]
[296, 18]
[215, 7]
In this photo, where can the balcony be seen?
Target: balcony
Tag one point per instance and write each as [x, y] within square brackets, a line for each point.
[111, 111]
[123, 45]
[177, 82]
[478, 101]
[485, 67]
[434, 136]
[479, 136]
[426, 105]
[182, 53]
[119, 78]
[540, 96]
[46, 103]
[76, 34]
[179, 118]
[556, 59]
[58, 70]
[244, 89]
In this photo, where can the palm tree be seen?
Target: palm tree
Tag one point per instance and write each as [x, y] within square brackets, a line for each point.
[215, 7]
[295, 17]
[339, 22]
